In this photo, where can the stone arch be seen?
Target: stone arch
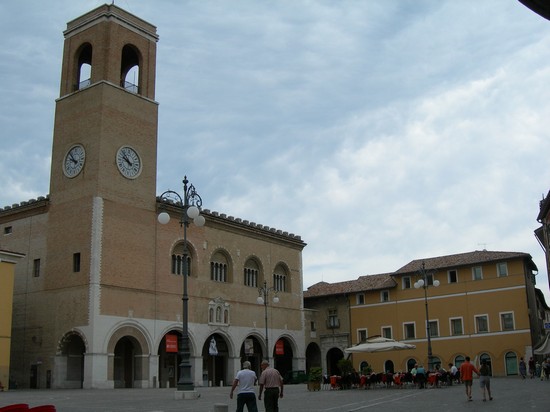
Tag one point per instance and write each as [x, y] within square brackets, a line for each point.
[216, 366]
[283, 354]
[251, 350]
[128, 350]
[69, 360]
[313, 356]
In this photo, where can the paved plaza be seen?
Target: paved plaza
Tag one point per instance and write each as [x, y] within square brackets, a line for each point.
[510, 394]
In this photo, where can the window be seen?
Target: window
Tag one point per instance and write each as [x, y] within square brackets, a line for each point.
[280, 281]
[477, 273]
[456, 326]
[430, 279]
[385, 296]
[313, 326]
[36, 268]
[179, 256]
[387, 332]
[482, 324]
[433, 327]
[408, 330]
[360, 299]
[218, 268]
[453, 276]
[7, 230]
[507, 321]
[333, 322]
[218, 272]
[406, 282]
[251, 272]
[76, 262]
[362, 335]
[502, 270]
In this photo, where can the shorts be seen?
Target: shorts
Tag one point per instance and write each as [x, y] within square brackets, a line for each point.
[467, 382]
[485, 382]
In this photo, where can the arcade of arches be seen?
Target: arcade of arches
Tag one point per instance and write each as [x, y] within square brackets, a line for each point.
[131, 365]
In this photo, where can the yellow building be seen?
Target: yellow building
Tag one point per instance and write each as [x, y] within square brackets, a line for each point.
[7, 274]
[98, 298]
[484, 306]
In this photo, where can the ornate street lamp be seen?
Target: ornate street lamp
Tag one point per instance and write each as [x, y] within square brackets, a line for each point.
[262, 300]
[189, 205]
[423, 283]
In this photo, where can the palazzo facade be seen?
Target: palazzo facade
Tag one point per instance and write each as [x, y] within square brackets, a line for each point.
[98, 293]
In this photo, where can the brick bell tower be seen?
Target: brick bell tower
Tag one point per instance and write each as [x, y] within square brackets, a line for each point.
[101, 221]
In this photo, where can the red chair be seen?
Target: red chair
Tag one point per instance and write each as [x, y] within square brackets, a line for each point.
[16, 407]
[43, 408]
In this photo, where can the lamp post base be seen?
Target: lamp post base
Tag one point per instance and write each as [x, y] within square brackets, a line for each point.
[185, 395]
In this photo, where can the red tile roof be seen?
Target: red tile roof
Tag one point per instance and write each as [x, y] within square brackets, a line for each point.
[363, 283]
[460, 259]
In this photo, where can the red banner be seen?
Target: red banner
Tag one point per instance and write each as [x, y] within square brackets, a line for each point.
[171, 343]
[280, 347]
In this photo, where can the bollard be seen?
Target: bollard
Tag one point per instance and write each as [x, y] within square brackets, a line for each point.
[221, 407]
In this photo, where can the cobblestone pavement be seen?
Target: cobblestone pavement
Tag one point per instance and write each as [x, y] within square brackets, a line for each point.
[510, 394]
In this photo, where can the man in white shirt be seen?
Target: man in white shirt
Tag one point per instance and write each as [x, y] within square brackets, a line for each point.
[245, 379]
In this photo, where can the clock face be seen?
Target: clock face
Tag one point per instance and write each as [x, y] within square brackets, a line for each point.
[128, 162]
[74, 161]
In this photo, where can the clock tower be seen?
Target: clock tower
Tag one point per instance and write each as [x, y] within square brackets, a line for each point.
[101, 220]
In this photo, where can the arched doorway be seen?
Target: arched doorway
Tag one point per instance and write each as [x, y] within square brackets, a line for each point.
[169, 359]
[313, 356]
[388, 366]
[333, 356]
[127, 366]
[251, 350]
[459, 360]
[511, 361]
[282, 358]
[487, 358]
[71, 360]
[410, 364]
[215, 353]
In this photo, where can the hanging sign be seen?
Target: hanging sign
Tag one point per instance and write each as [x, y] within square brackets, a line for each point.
[171, 343]
[249, 347]
[280, 347]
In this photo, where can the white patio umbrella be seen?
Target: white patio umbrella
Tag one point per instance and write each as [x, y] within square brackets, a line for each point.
[379, 344]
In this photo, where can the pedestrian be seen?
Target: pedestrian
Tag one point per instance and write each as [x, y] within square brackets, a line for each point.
[272, 381]
[522, 368]
[245, 379]
[466, 376]
[485, 380]
[531, 367]
[453, 374]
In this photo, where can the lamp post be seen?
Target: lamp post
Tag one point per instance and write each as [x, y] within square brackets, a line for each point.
[189, 205]
[262, 300]
[423, 283]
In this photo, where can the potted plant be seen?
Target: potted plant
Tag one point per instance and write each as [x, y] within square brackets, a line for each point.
[315, 376]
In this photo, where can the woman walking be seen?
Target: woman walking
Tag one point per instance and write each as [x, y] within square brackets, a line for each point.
[485, 380]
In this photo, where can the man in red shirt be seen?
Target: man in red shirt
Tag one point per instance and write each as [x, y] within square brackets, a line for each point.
[466, 376]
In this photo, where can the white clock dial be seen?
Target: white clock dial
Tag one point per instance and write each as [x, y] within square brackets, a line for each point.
[74, 160]
[128, 162]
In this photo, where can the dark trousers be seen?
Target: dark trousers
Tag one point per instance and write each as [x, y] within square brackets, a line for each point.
[248, 399]
[271, 400]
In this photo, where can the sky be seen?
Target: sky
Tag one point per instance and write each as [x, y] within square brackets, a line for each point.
[380, 131]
